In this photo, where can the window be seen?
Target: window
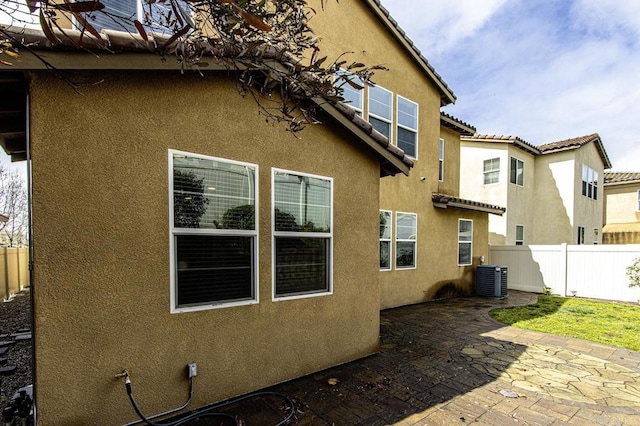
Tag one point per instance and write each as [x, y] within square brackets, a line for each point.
[639, 200]
[517, 171]
[596, 231]
[119, 15]
[580, 234]
[380, 109]
[589, 182]
[407, 126]
[441, 160]
[465, 242]
[302, 220]
[491, 171]
[213, 231]
[353, 96]
[406, 231]
[519, 235]
[385, 240]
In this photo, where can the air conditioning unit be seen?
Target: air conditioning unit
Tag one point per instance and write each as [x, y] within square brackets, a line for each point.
[491, 281]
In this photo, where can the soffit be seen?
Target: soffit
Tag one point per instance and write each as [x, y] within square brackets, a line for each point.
[443, 201]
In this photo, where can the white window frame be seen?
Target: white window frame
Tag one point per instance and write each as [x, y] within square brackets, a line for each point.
[400, 99]
[461, 241]
[174, 232]
[406, 240]
[638, 205]
[140, 13]
[378, 117]
[485, 172]
[589, 182]
[388, 240]
[518, 162]
[581, 231]
[346, 87]
[521, 241]
[321, 235]
[441, 160]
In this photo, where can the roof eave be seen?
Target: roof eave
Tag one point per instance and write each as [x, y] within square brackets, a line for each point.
[446, 95]
[445, 202]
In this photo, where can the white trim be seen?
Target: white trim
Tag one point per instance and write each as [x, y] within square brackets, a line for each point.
[638, 204]
[465, 242]
[345, 84]
[389, 240]
[484, 172]
[322, 235]
[415, 242]
[386, 120]
[441, 160]
[398, 98]
[173, 232]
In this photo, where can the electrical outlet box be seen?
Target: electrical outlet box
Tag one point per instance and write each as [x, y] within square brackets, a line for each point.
[192, 369]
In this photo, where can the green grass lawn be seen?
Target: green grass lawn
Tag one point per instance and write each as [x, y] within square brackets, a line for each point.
[616, 324]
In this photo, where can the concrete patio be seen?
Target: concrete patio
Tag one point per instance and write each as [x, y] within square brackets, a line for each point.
[448, 362]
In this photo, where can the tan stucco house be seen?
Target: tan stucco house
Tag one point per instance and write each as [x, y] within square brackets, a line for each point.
[621, 208]
[553, 192]
[151, 183]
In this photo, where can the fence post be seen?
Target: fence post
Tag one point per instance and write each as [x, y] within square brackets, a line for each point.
[565, 266]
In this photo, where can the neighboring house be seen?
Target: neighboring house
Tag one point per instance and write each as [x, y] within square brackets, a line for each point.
[428, 246]
[152, 177]
[553, 192]
[621, 208]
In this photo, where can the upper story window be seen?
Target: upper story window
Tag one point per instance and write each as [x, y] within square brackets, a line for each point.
[589, 182]
[519, 235]
[302, 220]
[380, 110]
[213, 231]
[441, 160]
[385, 240]
[119, 15]
[352, 90]
[517, 171]
[638, 206]
[407, 126]
[406, 232]
[491, 170]
[465, 242]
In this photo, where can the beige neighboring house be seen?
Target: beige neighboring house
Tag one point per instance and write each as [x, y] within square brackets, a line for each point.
[621, 208]
[553, 192]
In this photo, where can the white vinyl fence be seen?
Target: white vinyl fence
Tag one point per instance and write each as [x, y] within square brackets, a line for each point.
[593, 271]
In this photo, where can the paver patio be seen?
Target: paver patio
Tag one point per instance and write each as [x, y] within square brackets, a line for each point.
[448, 362]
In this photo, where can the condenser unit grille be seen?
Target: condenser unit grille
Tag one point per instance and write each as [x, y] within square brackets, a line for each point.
[491, 281]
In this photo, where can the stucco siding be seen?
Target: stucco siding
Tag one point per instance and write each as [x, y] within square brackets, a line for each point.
[101, 248]
[621, 203]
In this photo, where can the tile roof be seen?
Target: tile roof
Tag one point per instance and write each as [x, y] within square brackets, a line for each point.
[515, 140]
[575, 143]
[444, 201]
[456, 124]
[621, 177]
[446, 94]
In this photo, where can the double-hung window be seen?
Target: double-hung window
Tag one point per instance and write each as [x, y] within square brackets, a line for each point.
[519, 235]
[302, 219]
[407, 126]
[385, 240]
[441, 160]
[465, 242]
[589, 182]
[380, 110]
[491, 171]
[213, 231]
[517, 171]
[406, 232]
[352, 90]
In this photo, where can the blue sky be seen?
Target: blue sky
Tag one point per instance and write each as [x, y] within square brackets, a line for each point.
[543, 70]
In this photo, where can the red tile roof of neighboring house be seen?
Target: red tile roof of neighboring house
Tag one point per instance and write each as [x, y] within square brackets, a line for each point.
[446, 94]
[621, 177]
[514, 140]
[575, 143]
[448, 201]
[456, 124]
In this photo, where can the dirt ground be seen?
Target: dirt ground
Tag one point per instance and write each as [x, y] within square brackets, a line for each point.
[15, 317]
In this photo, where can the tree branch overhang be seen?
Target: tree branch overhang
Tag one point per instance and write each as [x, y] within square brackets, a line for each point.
[443, 201]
